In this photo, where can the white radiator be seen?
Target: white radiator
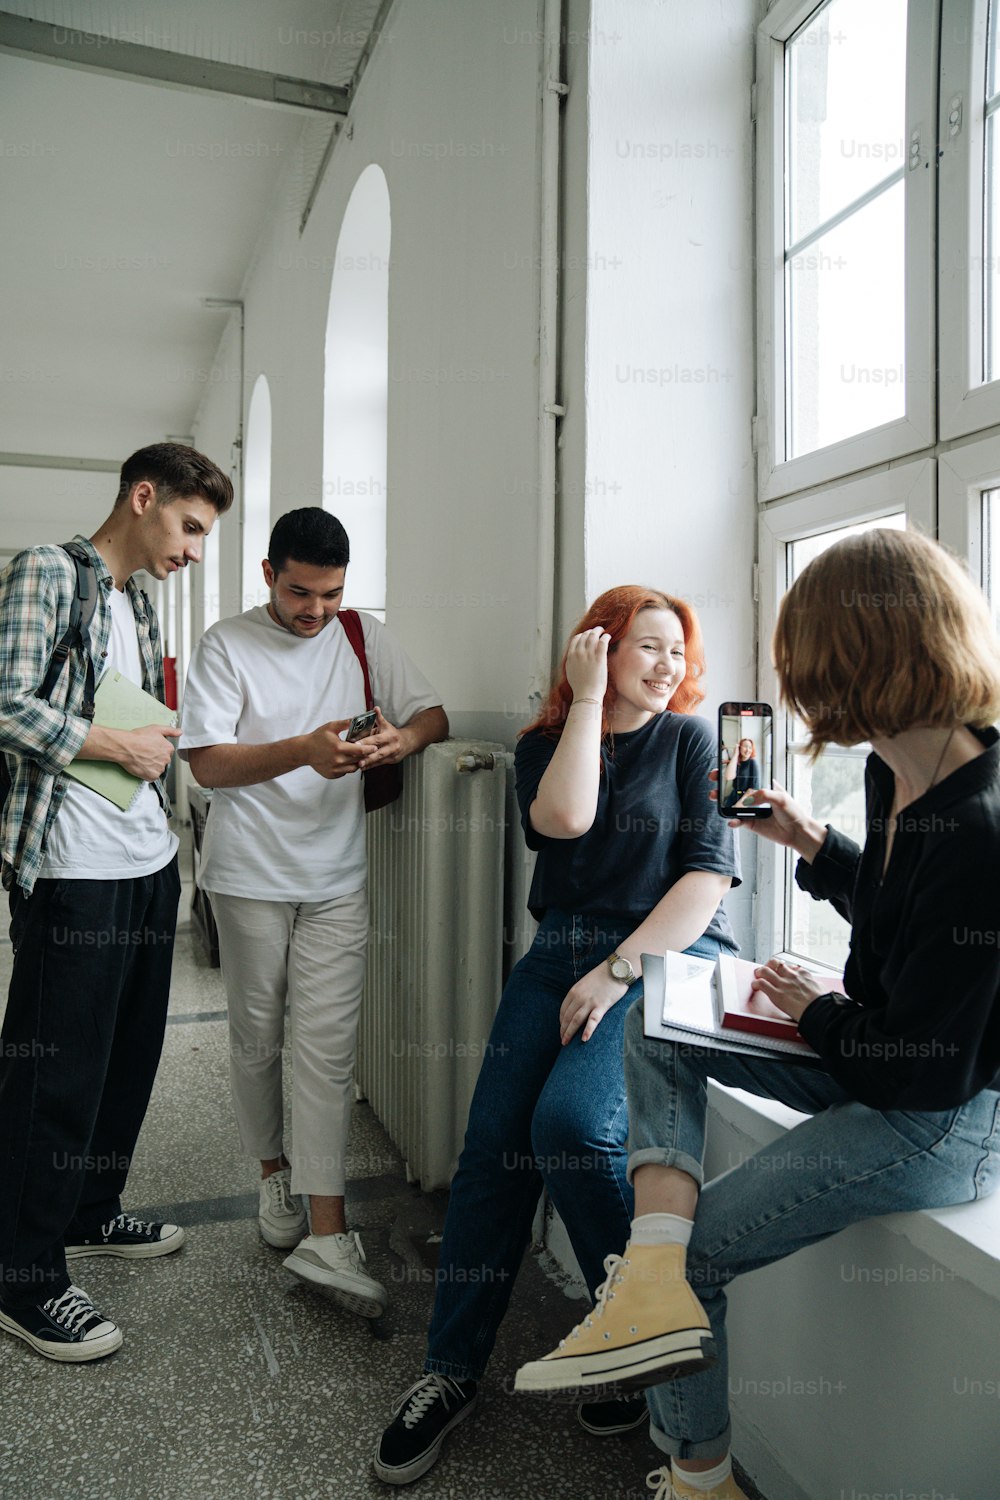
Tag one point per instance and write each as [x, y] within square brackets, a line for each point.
[435, 860]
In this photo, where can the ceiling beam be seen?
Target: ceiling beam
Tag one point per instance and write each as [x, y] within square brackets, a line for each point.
[43, 42]
[59, 461]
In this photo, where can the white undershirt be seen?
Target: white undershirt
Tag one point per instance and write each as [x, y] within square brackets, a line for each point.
[91, 838]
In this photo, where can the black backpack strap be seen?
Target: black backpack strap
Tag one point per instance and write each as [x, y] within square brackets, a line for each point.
[81, 612]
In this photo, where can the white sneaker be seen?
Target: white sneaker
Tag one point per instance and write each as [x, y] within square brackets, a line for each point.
[337, 1261]
[281, 1217]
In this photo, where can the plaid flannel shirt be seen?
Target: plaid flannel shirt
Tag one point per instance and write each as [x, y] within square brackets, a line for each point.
[41, 737]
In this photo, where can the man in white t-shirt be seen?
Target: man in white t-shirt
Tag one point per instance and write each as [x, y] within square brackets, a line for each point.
[93, 899]
[269, 696]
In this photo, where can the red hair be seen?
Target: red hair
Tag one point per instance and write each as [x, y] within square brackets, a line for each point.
[615, 611]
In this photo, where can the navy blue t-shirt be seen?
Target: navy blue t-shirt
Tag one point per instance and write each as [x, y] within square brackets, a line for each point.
[653, 824]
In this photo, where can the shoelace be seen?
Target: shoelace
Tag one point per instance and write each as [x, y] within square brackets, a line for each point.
[351, 1244]
[279, 1192]
[126, 1223]
[612, 1265]
[421, 1396]
[660, 1481]
[71, 1308]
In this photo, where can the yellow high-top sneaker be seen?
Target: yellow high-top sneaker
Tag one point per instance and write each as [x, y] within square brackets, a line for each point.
[670, 1486]
[646, 1326]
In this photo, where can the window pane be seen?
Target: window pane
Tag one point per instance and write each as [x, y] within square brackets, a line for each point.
[846, 329]
[830, 788]
[991, 252]
[993, 54]
[846, 116]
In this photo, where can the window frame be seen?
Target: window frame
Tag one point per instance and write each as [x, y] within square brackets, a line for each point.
[964, 475]
[916, 429]
[965, 404]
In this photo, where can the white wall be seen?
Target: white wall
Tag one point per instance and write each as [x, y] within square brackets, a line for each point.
[668, 489]
[670, 330]
[448, 108]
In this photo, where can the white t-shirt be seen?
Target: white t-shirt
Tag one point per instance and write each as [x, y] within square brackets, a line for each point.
[91, 838]
[297, 837]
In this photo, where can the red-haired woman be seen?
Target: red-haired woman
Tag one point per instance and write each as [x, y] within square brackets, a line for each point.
[612, 786]
[742, 772]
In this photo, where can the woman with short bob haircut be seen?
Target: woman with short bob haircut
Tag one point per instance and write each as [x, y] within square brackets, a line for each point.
[612, 784]
[881, 638]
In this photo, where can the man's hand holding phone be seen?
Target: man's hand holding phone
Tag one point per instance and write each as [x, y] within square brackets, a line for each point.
[384, 746]
[331, 756]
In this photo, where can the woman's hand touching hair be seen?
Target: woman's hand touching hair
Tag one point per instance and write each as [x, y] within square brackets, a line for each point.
[587, 664]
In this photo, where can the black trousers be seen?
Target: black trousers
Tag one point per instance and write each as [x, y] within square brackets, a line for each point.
[79, 1049]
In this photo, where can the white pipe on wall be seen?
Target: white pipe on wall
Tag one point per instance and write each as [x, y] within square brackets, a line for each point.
[548, 332]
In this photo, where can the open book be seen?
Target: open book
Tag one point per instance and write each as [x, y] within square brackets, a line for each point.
[119, 703]
[687, 999]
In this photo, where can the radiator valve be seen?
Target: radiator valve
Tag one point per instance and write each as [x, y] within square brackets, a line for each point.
[477, 760]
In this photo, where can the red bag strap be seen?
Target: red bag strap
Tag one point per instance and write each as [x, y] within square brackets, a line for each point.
[354, 630]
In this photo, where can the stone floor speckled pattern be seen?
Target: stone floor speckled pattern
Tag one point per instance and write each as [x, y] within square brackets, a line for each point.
[235, 1381]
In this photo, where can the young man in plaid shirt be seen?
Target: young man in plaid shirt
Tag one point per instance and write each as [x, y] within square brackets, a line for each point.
[93, 897]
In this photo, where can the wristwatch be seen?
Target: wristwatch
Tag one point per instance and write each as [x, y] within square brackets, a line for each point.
[621, 969]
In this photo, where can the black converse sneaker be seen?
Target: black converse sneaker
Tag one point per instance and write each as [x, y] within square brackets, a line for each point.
[134, 1239]
[607, 1418]
[423, 1417]
[68, 1328]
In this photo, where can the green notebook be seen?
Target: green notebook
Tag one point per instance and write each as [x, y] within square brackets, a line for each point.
[119, 704]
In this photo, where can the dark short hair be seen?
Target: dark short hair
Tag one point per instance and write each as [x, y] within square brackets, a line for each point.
[175, 472]
[310, 535]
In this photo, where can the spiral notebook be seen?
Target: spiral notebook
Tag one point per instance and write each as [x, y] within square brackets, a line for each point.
[679, 1005]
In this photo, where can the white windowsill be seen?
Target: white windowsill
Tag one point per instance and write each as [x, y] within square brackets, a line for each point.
[966, 1239]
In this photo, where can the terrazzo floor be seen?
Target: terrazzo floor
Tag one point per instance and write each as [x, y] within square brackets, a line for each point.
[237, 1382]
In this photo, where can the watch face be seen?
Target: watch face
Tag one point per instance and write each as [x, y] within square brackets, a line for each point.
[621, 968]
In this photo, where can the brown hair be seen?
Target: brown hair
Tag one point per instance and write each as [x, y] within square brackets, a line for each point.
[175, 472]
[883, 632]
[614, 611]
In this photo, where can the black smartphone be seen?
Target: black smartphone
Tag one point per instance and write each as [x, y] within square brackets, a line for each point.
[746, 758]
[362, 725]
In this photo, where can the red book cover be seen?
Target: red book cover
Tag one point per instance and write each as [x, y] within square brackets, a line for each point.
[756, 1013]
[737, 1008]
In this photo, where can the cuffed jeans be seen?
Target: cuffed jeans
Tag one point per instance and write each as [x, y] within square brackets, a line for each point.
[80, 1046]
[848, 1162]
[542, 1115]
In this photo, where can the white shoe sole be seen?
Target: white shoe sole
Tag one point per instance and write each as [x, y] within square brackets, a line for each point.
[282, 1239]
[616, 1372]
[129, 1252]
[344, 1289]
[407, 1473]
[66, 1354]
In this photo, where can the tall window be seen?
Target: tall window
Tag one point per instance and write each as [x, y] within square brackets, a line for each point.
[878, 195]
[356, 394]
[257, 494]
[845, 97]
[845, 130]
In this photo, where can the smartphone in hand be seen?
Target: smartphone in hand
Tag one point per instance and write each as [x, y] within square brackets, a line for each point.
[361, 726]
[745, 759]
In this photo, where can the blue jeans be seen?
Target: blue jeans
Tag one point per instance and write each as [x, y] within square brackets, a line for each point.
[848, 1162]
[542, 1115]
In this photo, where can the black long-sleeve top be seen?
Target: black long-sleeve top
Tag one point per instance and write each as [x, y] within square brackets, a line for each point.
[924, 965]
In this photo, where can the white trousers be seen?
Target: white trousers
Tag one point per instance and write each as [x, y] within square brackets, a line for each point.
[312, 954]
